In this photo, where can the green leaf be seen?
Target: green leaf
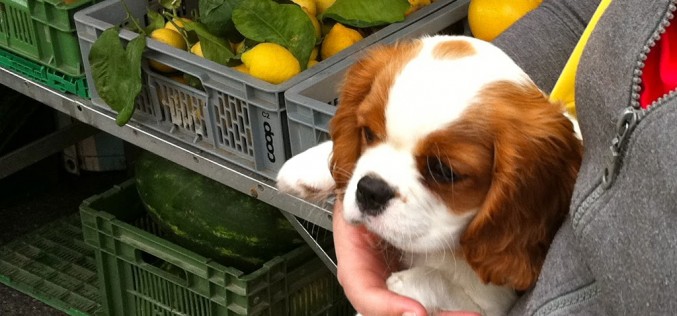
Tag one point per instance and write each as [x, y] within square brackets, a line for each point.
[116, 71]
[216, 15]
[361, 14]
[284, 24]
[155, 21]
[213, 48]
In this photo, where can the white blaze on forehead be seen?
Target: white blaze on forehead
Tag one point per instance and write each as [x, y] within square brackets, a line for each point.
[430, 92]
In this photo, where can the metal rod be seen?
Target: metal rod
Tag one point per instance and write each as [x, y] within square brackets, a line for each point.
[319, 250]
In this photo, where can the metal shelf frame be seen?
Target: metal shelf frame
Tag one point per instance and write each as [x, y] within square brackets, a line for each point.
[183, 154]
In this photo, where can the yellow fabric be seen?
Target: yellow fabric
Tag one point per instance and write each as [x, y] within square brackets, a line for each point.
[564, 90]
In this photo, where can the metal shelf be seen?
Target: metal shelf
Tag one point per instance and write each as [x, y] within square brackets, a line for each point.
[204, 163]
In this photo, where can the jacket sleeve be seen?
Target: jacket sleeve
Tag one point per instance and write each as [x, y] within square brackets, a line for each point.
[542, 40]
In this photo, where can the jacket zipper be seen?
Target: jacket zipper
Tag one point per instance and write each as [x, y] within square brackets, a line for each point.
[628, 120]
[634, 113]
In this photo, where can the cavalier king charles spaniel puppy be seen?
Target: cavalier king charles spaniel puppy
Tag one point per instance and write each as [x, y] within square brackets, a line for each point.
[447, 150]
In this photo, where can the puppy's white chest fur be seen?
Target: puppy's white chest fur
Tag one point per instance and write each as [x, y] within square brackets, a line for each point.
[444, 282]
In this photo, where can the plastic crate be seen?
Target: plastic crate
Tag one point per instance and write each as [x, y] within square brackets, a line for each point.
[312, 103]
[142, 273]
[54, 265]
[237, 117]
[43, 74]
[43, 31]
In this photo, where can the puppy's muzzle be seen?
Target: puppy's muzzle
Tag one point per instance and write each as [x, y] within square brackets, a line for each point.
[373, 194]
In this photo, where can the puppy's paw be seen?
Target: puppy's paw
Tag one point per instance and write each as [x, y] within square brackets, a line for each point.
[307, 174]
[401, 283]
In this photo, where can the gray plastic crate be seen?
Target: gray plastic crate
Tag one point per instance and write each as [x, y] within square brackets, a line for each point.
[237, 117]
[312, 103]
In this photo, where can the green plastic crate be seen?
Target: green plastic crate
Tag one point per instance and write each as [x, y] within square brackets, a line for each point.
[54, 265]
[142, 273]
[43, 31]
[44, 75]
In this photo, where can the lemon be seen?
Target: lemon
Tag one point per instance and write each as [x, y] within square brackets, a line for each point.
[489, 18]
[314, 53]
[313, 57]
[271, 62]
[323, 5]
[171, 38]
[197, 49]
[338, 39]
[179, 78]
[415, 5]
[316, 24]
[180, 22]
[241, 68]
[308, 5]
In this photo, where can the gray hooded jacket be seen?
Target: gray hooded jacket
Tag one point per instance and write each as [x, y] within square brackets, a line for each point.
[616, 254]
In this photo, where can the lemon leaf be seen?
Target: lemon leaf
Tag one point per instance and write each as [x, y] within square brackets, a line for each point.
[214, 48]
[284, 24]
[216, 15]
[361, 14]
[116, 69]
[155, 21]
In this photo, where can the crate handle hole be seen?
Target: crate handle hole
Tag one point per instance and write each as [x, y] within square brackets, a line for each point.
[169, 270]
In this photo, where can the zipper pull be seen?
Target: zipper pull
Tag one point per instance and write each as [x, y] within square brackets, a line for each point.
[625, 125]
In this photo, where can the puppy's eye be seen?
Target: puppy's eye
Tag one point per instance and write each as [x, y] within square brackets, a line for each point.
[440, 172]
[368, 134]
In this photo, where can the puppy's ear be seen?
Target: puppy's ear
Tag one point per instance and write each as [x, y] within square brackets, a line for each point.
[372, 73]
[536, 160]
[307, 175]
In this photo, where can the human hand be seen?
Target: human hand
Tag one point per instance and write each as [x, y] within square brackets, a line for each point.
[363, 265]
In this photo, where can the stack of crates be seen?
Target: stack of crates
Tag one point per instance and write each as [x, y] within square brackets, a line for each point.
[38, 40]
[55, 266]
[113, 259]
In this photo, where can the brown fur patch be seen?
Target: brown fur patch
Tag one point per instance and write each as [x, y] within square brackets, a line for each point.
[362, 103]
[535, 160]
[467, 149]
[453, 49]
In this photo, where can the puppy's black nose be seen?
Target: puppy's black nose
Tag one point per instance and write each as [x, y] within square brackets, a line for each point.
[373, 194]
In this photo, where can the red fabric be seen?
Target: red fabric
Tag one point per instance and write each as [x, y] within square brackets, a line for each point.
[660, 71]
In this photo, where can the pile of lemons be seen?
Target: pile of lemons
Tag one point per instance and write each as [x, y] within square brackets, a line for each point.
[269, 61]
[275, 64]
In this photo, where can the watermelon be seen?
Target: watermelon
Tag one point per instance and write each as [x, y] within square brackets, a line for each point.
[210, 218]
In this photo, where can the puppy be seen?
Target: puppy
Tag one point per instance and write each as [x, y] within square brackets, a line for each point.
[445, 148]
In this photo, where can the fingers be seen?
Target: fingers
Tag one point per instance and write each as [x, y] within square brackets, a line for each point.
[363, 269]
[381, 302]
